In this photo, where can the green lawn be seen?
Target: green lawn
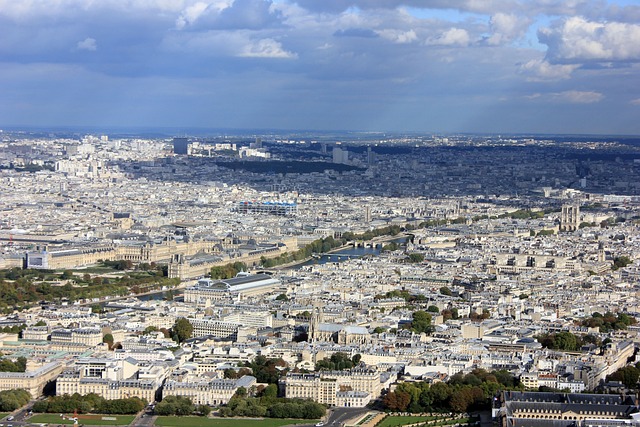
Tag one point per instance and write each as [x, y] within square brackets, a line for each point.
[90, 420]
[457, 421]
[401, 421]
[226, 422]
[96, 270]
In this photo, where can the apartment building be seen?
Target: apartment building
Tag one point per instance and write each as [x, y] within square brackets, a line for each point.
[33, 381]
[206, 391]
[329, 387]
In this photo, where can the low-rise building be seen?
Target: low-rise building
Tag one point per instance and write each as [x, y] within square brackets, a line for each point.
[329, 387]
[206, 391]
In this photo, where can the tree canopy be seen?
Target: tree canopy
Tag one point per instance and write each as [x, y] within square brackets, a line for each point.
[337, 362]
[182, 330]
[89, 403]
[462, 393]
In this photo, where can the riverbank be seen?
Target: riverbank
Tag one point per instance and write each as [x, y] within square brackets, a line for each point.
[353, 252]
[291, 265]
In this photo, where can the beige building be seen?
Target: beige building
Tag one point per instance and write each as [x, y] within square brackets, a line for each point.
[205, 391]
[206, 253]
[518, 263]
[564, 409]
[90, 337]
[33, 381]
[333, 332]
[329, 387]
[214, 328]
[36, 333]
[112, 379]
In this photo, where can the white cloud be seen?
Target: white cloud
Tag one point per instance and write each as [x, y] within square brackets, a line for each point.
[451, 37]
[507, 28]
[398, 36]
[576, 39]
[266, 48]
[87, 44]
[539, 70]
[635, 101]
[570, 97]
[579, 97]
[191, 14]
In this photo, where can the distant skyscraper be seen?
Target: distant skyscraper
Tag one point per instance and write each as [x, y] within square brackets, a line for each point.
[180, 146]
[371, 156]
[340, 155]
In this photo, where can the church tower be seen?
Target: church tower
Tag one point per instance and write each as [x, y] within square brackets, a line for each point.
[314, 323]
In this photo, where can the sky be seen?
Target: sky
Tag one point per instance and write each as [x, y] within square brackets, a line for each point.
[441, 66]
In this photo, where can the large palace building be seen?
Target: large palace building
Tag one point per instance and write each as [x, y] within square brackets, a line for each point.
[206, 292]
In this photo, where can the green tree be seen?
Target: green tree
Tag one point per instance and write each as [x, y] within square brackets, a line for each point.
[270, 391]
[241, 392]
[203, 410]
[282, 297]
[433, 309]
[397, 400]
[175, 405]
[415, 258]
[628, 375]
[421, 322]
[337, 362]
[446, 291]
[10, 400]
[621, 262]
[108, 338]
[182, 330]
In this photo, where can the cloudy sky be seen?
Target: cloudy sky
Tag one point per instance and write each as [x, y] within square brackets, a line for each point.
[545, 66]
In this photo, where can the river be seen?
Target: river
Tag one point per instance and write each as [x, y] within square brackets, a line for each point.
[345, 254]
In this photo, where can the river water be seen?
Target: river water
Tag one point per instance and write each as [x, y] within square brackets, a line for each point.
[339, 256]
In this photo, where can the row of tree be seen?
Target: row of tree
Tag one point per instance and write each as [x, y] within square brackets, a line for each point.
[180, 405]
[566, 341]
[22, 289]
[338, 362]
[227, 271]
[317, 246]
[10, 400]
[270, 406]
[627, 375]
[8, 365]
[13, 329]
[89, 403]
[463, 392]
[328, 243]
[609, 321]
[267, 371]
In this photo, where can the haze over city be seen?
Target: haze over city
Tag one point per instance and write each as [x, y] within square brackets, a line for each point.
[544, 66]
[347, 213]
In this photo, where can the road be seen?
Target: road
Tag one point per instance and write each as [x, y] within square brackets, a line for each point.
[20, 416]
[339, 416]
